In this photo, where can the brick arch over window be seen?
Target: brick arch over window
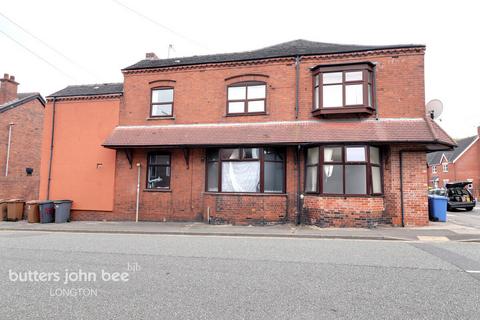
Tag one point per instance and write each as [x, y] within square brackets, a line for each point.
[162, 83]
[250, 77]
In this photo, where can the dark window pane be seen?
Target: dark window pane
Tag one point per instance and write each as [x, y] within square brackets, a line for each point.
[159, 159]
[272, 154]
[274, 172]
[158, 177]
[230, 154]
[212, 176]
[312, 156]
[212, 154]
[251, 153]
[356, 179]
[241, 176]
[333, 179]
[311, 179]
[332, 154]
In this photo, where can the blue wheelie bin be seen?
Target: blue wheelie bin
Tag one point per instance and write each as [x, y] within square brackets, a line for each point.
[437, 208]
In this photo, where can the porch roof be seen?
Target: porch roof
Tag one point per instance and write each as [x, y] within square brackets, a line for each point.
[398, 130]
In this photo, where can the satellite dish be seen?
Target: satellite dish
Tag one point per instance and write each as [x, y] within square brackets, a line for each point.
[434, 108]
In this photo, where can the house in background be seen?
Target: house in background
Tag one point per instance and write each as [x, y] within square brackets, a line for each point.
[319, 133]
[460, 164]
[21, 123]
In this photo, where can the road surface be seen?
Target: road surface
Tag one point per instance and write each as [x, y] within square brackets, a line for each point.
[119, 276]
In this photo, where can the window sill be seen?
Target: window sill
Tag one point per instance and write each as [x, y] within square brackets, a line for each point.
[241, 194]
[161, 118]
[343, 111]
[246, 114]
[157, 190]
[345, 195]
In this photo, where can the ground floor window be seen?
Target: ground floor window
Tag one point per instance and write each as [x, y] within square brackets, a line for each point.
[158, 170]
[255, 170]
[349, 170]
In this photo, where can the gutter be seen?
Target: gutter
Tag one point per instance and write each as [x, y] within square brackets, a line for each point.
[51, 148]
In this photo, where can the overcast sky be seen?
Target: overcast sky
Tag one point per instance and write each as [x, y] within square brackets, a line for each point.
[89, 41]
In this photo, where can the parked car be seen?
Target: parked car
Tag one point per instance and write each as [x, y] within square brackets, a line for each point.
[459, 197]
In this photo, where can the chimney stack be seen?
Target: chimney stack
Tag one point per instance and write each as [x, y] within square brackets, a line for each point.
[8, 88]
[151, 56]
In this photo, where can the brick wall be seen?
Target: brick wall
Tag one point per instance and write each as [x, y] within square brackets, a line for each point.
[345, 211]
[24, 150]
[200, 91]
[414, 186]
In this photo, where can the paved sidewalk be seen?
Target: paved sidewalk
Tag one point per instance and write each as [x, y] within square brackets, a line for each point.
[434, 232]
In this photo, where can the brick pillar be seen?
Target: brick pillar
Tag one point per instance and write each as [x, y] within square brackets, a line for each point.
[8, 88]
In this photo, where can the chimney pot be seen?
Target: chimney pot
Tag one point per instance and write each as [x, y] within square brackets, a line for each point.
[8, 88]
[151, 56]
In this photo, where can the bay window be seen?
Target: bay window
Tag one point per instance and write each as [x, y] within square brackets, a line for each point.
[343, 89]
[245, 170]
[343, 170]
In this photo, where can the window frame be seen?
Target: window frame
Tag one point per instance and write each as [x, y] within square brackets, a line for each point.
[368, 170]
[445, 167]
[434, 169]
[164, 153]
[368, 74]
[245, 101]
[261, 160]
[161, 103]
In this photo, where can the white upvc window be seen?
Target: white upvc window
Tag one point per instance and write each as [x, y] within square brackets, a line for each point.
[434, 169]
[445, 167]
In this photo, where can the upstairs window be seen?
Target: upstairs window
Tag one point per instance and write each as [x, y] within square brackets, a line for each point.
[347, 87]
[445, 167]
[162, 102]
[343, 170]
[246, 98]
[434, 169]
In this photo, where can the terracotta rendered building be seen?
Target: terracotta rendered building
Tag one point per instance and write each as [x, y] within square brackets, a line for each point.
[460, 164]
[317, 133]
[21, 122]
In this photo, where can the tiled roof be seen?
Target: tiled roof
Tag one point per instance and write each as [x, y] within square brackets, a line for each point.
[287, 49]
[462, 144]
[21, 99]
[284, 132]
[89, 90]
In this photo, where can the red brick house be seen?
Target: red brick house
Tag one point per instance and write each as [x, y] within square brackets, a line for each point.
[460, 164]
[318, 133]
[21, 122]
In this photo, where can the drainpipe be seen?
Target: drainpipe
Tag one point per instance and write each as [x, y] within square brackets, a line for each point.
[297, 85]
[374, 89]
[51, 149]
[401, 188]
[10, 126]
[299, 195]
[139, 166]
